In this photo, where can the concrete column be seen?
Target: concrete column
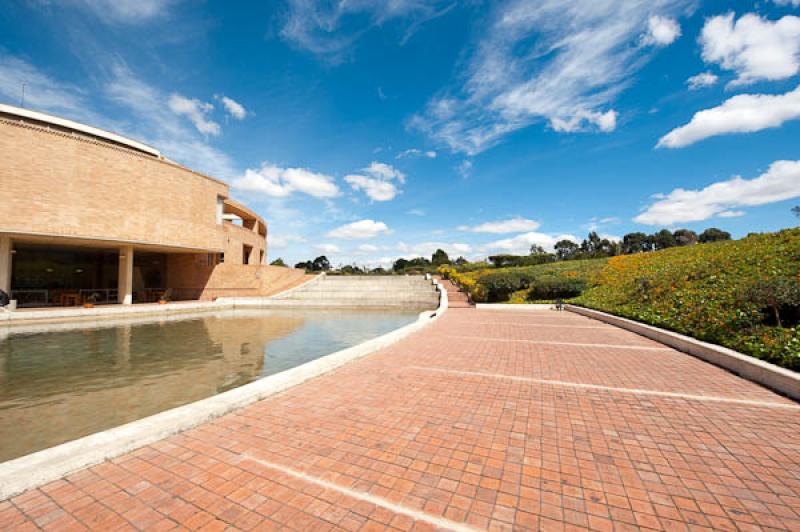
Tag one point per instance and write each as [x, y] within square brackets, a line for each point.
[5, 264]
[125, 282]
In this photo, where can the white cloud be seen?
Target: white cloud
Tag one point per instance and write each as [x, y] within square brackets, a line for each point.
[375, 189]
[426, 249]
[378, 183]
[360, 230]
[661, 31]
[753, 47]
[367, 248]
[416, 212]
[279, 182]
[521, 244]
[385, 171]
[549, 61]
[234, 108]
[605, 122]
[149, 122]
[704, 79]
[780, 182]
[415, 152]
[127, 11]
[196, 111]
[744, 113]
[329, 29]
[794, 3]
[280, 241]
[511, 225]
[328, 248]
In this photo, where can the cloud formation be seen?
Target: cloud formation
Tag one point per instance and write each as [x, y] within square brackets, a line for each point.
[126, 11]
[780, 182]
[521, 244]
[744, 113]
[196, 111]
[360, 230]
[378, 183]
[328, 248]
[415, 152]
[232, 107]
[562, 63]
[661, 31]
[702, 80]
[754, 47]
[328, 29]
[278, 182]
[511, 225]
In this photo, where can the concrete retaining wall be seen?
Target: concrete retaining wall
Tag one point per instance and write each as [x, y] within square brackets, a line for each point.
[781, 380]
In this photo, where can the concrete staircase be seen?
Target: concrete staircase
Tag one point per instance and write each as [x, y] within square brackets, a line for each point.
[362, 292]
[455, 297]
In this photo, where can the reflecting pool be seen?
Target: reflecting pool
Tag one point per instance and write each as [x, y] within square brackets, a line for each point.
[64, 381]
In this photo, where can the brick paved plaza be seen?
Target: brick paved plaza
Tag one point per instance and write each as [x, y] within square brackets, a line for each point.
[484, 420]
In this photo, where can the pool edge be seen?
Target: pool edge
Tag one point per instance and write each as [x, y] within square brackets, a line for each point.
[35, 469]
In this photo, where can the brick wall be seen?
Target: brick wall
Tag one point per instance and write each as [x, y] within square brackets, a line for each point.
[58, 183]
[190, 277]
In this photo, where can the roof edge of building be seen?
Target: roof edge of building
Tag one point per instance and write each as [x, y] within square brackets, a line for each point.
[77, 126]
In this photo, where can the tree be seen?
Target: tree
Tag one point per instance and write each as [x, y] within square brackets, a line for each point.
[460, 261]
[307, 265]
[685, 237]
[278, 262]
[775, 295]
[663, 240]
[712, 234]
[440, 257]
[536, 249]
[566, 249]
[348, 269]
[635, 243]
[321, 264]
[591, 244]
[400, 265]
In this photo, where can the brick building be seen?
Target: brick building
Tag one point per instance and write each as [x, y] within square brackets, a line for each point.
[86, 214]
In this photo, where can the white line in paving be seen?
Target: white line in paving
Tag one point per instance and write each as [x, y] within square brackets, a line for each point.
[548, 342]
[438, 522]
[520, 324]
[637, 391]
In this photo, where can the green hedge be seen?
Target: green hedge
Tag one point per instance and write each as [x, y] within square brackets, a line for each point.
[541, 282]
[707, 291]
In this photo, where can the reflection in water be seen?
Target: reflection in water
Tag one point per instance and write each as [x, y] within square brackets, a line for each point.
[62, 382]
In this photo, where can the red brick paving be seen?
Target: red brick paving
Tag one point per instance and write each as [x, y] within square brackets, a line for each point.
[432, 432]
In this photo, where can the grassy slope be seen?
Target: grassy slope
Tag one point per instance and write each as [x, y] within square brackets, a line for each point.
[697, 290]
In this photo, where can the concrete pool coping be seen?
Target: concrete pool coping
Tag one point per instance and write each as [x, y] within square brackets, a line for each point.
[33, 470]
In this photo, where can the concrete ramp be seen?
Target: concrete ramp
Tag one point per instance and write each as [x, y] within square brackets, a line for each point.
[362, 292]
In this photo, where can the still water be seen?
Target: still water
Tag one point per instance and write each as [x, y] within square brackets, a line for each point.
[62, 382]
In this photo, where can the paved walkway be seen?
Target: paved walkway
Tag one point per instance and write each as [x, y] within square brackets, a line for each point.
[485, 420]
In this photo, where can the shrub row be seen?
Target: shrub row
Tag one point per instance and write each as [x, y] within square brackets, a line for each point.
[557, 280]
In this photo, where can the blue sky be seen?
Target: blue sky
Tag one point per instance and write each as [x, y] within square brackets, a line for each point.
[373, 130]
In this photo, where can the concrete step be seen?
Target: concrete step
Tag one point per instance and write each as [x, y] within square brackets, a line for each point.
[322, 287]
[349, 303]
[364, 284]
[319, 294]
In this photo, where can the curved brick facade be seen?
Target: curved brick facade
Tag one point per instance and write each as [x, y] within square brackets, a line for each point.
[66, 184]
